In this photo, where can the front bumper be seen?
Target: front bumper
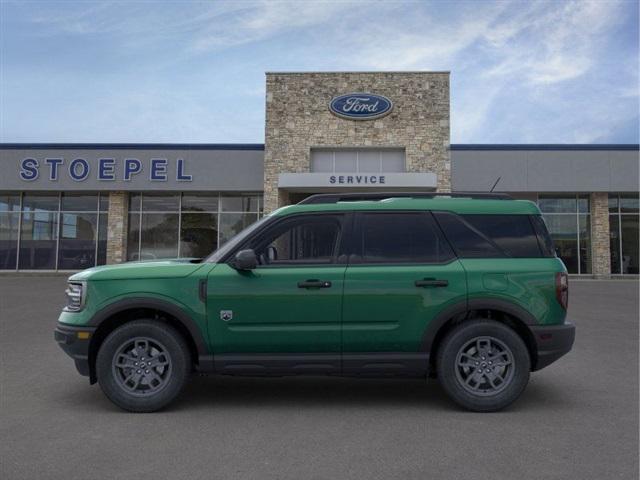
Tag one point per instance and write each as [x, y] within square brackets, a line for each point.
[552, 342]
[75, 343]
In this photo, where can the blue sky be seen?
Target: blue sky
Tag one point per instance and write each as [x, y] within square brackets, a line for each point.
[137, 71]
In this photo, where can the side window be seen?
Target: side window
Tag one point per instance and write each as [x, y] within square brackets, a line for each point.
[301, 240]
[544, 239]
[467, 241]
[401, 238]
[514, 234]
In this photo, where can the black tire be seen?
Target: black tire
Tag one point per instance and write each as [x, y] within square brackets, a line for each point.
[468, 349]
[167, 365]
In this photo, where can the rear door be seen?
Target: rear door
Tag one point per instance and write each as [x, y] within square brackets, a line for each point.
[401, 274]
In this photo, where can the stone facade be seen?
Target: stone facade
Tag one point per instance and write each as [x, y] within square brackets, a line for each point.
[117, 227]
[298, 119]
[600, 248]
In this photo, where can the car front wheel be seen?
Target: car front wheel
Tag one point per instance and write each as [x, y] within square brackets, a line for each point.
[483, 365]
[143, 365]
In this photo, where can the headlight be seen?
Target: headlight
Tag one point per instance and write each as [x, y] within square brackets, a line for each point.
[75, 297]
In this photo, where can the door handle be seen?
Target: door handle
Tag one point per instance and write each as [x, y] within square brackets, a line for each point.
[314, 284]
[431, 282]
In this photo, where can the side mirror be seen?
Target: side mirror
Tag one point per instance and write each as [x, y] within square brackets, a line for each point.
[245, 260]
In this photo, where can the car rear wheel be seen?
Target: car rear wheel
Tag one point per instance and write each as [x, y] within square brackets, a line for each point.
[483, 365]
[143, 365]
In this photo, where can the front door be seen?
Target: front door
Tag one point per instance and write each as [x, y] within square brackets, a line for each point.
[289, 308]
[401, 275]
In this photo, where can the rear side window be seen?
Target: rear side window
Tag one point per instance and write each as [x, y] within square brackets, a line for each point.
[490, 236]
[514, 234]
[400, 238]
[467, 241]
[544, 239]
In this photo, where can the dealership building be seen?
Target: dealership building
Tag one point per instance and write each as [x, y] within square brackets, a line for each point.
[73, 206]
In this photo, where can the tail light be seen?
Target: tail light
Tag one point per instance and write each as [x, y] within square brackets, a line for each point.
[562, 289]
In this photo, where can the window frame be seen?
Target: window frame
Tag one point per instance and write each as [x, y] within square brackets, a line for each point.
[355, 256]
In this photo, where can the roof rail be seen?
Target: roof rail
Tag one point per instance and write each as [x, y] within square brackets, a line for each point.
[356, 197]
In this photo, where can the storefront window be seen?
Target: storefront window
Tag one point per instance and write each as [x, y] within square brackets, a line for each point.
[51, 231]
[568, 220]
[82, 231]
[187, 225]
[623, 233]
[39, 231]
[9, 228]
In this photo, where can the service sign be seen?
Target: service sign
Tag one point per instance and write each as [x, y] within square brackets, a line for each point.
[360, 106]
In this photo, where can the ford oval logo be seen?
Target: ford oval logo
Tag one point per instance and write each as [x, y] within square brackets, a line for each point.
[360, 106]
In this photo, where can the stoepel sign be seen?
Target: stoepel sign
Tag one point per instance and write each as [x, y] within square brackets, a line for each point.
[107, 169]
[360, 106]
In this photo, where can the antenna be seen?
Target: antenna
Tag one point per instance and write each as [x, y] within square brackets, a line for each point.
[494, 185]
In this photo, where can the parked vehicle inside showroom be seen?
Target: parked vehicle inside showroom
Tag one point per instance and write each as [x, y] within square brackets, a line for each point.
[463, 287]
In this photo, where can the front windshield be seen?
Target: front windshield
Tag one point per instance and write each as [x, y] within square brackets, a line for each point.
[234, 241]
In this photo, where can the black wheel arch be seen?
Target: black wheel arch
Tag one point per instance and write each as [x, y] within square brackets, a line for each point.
[501, 310]
[125, 310]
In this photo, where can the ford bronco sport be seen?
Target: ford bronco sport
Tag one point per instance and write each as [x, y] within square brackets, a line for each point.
[463, 287]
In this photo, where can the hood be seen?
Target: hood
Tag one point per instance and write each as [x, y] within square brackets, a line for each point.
[169, 268]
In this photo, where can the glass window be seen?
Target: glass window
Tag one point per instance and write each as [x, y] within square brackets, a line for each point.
[38, 239]
[614, 242]
[467, 242]
[153, 202]
[584, 236]
[322, 161]
[245, 203]
[135, 202]
[79, 202]
[629, 204]
[346, 161]
[77, 246]
[40, 201]
[159, 236]
[558, 204]
[200, 202]
[583, 203]
[369, 161]
[8, 240]
[564, 231]
[354, 160]
[514, 234]
[393, 161]
[133, 238]
[623, 233]
[568, 219]
[401, 238]
[104, 202]
[233, 223]
[307, 240]
[198, 234]
[9, 202]
[630, 246]
[103, 230]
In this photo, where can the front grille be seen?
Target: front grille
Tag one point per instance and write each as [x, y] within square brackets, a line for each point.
[75, 297]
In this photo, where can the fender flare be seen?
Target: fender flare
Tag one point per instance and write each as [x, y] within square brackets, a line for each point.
[464, 307]
[156, 304]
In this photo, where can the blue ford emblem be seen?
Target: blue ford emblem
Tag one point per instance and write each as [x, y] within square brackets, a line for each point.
[360, 106]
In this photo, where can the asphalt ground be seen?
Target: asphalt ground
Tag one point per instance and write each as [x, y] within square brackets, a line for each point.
[578, 418]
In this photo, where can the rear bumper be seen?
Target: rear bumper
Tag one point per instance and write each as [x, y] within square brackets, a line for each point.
[75, 346]
[552, 342]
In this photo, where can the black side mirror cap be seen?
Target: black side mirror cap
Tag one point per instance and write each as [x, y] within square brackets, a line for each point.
[245, 260]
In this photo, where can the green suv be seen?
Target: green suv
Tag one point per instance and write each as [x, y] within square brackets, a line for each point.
[463, 287]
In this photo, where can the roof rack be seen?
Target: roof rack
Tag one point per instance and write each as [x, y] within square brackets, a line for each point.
[356, 197]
